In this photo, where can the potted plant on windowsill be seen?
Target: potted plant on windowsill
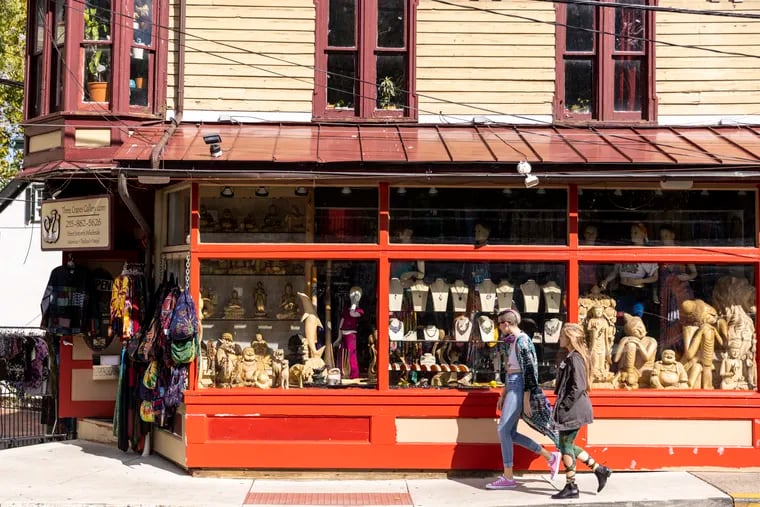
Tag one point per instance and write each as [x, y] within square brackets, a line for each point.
[387, 91]
[96, 56]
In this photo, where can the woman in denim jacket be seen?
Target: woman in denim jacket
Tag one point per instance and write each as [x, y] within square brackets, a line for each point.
[522, 397]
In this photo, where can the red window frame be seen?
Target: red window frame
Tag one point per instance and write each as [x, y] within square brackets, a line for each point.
[366, 52]
[603, 56]
[41, 75]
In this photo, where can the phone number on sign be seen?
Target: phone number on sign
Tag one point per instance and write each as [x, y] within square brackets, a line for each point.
[83, 222]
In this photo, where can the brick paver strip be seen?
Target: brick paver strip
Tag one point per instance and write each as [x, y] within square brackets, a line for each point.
[328, 499]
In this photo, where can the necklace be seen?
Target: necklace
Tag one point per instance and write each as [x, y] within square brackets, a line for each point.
[486, 327]
[395, 326]
[431, 333]
[462, 327]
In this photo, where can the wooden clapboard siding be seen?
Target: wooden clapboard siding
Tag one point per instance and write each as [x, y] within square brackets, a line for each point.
[475, 58]
[692, 81]
[247, 55]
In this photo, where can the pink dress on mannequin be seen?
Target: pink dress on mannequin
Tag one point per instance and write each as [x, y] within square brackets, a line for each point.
[348, 328]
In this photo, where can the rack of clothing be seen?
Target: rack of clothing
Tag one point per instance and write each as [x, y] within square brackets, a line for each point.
[24, 358]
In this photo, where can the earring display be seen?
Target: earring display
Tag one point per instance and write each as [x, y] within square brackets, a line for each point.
[530, 292]
[419, 295]
[487, 293]
[459, 292]
[504, 293]
[552, 297]
[440, 290]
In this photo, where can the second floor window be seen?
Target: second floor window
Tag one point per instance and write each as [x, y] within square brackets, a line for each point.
[605, 65]
[364, 59]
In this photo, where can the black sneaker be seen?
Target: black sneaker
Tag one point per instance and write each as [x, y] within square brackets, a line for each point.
[602, 474]
[569, 491]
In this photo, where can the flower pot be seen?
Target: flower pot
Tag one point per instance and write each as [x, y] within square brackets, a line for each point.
[139, 82]
[98, 91]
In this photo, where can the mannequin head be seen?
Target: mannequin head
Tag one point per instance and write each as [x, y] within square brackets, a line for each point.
[590, 233]
[638, 234]
[355, 295]
[405, 234]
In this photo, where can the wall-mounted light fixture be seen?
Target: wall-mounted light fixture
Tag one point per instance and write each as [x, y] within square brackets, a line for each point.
[214, 141]
[262, 192]
[301, 191]
[227, 192]
[676, 184]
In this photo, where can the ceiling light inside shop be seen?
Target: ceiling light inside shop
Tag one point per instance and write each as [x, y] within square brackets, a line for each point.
[507, 191]
[433, 191]
[227, 192]
[301, 191]
[345, 191]
[262, 192]
[401, 190]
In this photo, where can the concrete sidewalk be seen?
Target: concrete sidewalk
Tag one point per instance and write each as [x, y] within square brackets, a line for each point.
[86, 473]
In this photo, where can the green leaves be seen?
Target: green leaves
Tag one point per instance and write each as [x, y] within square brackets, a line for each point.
[12, 44]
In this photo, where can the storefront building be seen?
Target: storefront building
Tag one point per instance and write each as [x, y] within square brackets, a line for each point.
[369, 262]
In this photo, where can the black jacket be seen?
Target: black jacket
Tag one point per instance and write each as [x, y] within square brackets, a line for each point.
[572, 408]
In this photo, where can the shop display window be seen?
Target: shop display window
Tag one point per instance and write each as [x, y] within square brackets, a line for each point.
[178, 217]
[670, 325]
[696, 217]
[288, 323]
[266, 214]
[442, 321]
[516, 216]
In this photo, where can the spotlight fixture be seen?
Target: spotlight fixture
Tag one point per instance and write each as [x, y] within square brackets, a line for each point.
[301, 191]
[401, 190]
[523, 167]
[214, 141]
[345, 190]
[262, 192]
[227, 192]
[531, 180]
[433, 191]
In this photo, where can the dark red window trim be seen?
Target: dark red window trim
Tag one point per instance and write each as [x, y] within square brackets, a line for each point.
[603, 76]
[366, 34]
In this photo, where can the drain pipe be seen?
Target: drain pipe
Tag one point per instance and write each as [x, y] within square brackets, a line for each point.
[132, 206]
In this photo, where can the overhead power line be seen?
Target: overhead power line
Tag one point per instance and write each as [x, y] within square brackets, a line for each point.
[11, 83]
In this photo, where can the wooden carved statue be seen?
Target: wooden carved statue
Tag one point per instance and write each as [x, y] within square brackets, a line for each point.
[669, 373]
[635, 355]
[732, 368]
[739, 328]
[228, 355]
[600, 335]
[312, 324]
[730, 290]
[702, 340]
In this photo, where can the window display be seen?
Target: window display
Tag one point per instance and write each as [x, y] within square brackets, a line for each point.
[671, 326]
[287, 323]
[443, 333]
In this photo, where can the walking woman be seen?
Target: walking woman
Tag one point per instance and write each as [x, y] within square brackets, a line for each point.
[522, 397]
[572, 409]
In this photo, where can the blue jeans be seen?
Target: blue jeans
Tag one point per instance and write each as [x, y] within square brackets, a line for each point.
[511, 411]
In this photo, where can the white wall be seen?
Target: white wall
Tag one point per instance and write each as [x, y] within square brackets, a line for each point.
[24, 268]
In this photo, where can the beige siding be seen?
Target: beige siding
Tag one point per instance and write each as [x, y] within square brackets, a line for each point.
[247, 55]
[696, 82]
[485, 57]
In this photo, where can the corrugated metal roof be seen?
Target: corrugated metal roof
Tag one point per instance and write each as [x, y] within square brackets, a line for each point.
[415, 144]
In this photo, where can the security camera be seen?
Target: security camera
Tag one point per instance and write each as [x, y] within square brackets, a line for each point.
[523, 167]
[531, 180]
[212, 139]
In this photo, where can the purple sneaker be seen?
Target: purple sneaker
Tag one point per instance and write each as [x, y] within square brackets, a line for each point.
[554, 461]
[502, 483]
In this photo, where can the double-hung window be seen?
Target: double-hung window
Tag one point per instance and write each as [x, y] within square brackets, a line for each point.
[605, 61]
[365, 59]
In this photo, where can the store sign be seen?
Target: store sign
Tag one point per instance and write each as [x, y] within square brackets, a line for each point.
[76, 224]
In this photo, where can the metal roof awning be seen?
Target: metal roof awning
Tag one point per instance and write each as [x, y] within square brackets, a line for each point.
[451, 144]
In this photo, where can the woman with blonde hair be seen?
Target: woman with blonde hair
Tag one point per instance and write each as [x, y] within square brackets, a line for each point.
[572, 409]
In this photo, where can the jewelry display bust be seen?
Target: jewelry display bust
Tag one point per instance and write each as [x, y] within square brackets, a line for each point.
[396, 297]
[440, 290]
[530, 291]
[504, 293]
[459, 292]
[431, 333]
[487, 293]
[462, 328]
[552, 297]
[419, 295]
[486, 325]
[552, 328]
[396, 329]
